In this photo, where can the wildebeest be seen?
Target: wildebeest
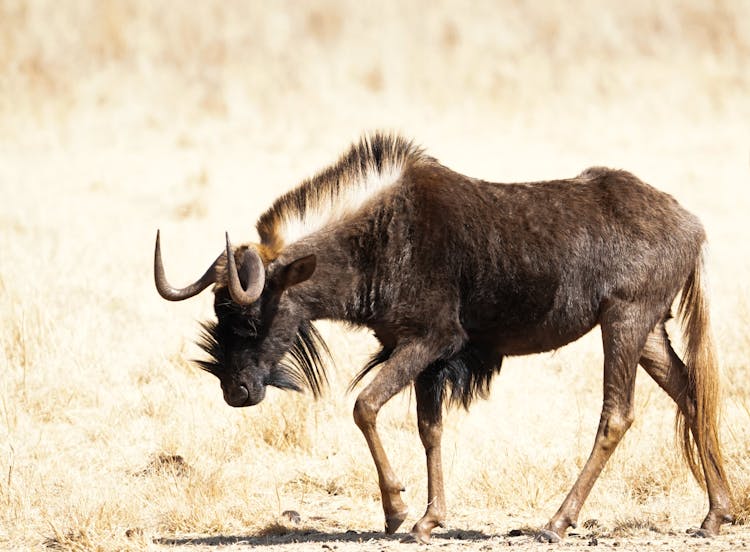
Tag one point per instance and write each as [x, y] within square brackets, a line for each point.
[452, 274]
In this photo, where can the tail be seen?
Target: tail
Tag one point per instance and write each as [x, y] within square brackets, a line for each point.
[703, 378]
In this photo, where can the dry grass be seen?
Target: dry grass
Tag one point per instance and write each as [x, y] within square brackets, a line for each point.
[120, 117]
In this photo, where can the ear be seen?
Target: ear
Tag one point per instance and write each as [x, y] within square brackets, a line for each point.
[298, 271]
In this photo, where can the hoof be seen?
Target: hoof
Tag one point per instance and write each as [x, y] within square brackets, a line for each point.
[392, 523]
[702, 534]
[422, 530]
[545, 535]
[711, 526]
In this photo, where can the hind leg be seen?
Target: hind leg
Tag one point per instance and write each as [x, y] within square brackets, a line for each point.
[665, 367]
[623, 337]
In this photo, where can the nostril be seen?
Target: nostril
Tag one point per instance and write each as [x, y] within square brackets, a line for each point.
[237, 395]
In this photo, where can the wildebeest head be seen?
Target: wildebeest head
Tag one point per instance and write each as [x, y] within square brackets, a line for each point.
[261, 336]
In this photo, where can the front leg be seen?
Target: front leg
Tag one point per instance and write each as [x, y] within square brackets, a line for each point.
[365, 414]
[430, 420]
[405, 363]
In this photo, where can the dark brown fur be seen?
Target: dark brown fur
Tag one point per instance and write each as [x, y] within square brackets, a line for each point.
[453, 273]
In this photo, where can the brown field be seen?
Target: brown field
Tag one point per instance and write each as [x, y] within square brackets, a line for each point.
[117, 118]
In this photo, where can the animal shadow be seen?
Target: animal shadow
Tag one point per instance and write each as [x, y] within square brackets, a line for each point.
[308, 536]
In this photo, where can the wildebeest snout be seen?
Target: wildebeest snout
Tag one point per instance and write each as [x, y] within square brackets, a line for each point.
[236, 395]
[243, 394]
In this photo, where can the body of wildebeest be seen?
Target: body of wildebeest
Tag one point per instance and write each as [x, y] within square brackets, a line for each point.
[452, 274]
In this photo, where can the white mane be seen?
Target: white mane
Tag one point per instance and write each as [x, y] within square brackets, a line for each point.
[369, 167]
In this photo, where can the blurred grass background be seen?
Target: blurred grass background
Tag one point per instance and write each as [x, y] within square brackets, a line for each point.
[120, 117]
[266, 67]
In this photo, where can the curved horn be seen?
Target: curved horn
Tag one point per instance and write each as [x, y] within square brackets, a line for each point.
[254, 271]
[174, 294]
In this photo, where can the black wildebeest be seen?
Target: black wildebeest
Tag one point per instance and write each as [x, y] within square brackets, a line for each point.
[452, 274]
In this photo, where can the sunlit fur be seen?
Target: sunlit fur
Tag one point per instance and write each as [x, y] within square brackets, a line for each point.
[368, 168]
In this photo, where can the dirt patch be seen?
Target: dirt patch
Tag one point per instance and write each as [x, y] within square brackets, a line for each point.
[164, 464]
